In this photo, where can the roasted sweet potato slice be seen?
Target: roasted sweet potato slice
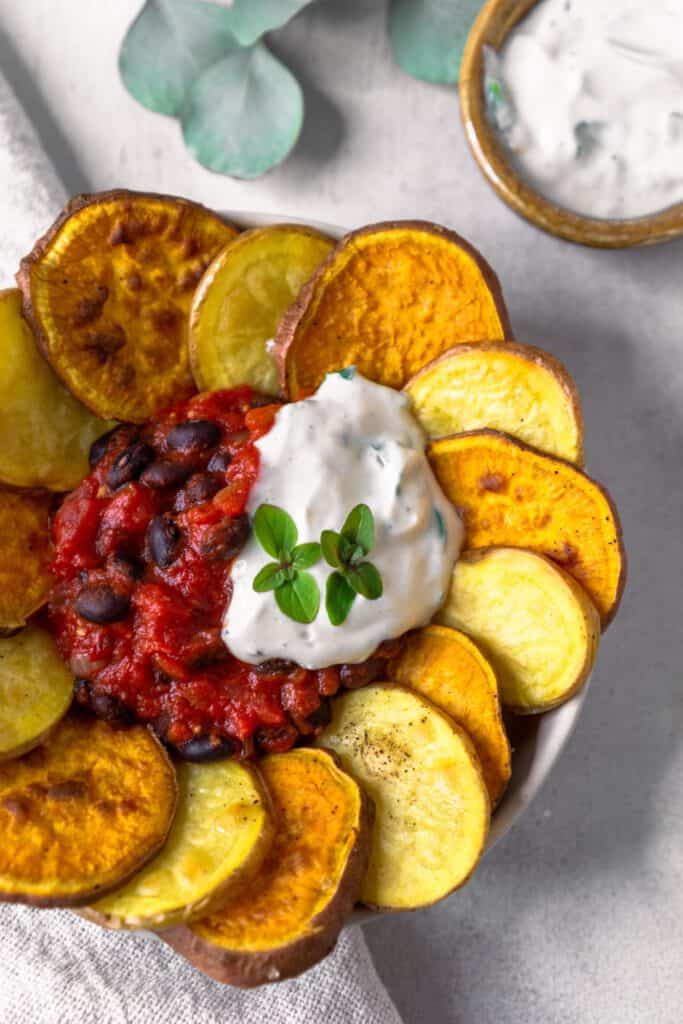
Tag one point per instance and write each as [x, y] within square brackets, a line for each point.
[108, 291]
[45, 433]
[219, 837]
[515, 388]
[241, 299]
[535, 623]
[35, 690]
[291, 913]
[422, 772]
[511, 495]
[446, 667]
[82, 813]
[389, 299]
[25, 578]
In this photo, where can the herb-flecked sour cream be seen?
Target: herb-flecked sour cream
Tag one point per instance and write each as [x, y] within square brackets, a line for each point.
[352, 442]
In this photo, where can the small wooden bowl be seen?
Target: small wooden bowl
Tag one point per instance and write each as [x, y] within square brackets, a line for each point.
[494, 23]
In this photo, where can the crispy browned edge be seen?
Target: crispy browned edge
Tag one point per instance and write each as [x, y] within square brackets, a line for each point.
[292, 318]
[607, 619]
[248, 970]
[87, 897]
[533, 354]
[207, 278]
[212, 901]
[23, 275]
[582, 596]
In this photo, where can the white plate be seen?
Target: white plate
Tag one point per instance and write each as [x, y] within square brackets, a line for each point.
[538, 740]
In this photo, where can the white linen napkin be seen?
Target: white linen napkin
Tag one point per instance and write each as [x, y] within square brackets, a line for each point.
[56, 968]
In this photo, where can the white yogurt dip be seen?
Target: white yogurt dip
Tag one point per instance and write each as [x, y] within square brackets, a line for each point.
[594, 111]
[352, 442]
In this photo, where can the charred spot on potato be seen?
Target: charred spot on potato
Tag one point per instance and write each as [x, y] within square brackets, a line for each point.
[89, 309]
[492, 482]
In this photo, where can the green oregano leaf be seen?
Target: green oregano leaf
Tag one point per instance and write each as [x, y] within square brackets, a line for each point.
[339, 596]
[270, 577]
[275, 530]
[299, 598]
[305, 555]
[329, 543]
[359, 528]
[366, 581]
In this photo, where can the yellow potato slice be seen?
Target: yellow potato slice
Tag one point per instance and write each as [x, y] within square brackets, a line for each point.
[535, 623]
[422, 772]
[45, 433]
[82, 813]
[446, 667]
[36, 689]
[220, 834]
[515, 388]
[25, 553]
[240, 302]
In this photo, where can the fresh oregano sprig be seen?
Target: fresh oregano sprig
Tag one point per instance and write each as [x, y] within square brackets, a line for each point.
[296, 591]
[353, 575]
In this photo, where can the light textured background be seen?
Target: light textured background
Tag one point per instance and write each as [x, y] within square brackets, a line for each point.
[578, 915]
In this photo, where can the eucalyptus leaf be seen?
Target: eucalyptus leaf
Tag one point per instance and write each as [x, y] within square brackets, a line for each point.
[300, 598]
[339, 596]
[366, 581]
[428, 36]
[275, 530]
[170, 43]
[359, 528]
[243, 115]
[250, 19]
[270, 577]
[305, 555]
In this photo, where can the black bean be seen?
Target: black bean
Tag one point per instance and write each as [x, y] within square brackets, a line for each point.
[100, 447]
[275, 667]
[198, 488]
[276, 740]
[129, 464]
[354, 676]
[163, 536]
[225, 539]
[194, 435]
[164, 473]
[101, 604]
[321, 717]
[219, 462]
[209, 748]
[110, 708]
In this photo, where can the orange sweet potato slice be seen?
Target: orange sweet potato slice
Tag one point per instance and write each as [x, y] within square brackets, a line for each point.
[108, 291]
[290, 914]
[25, 553]
[445, 666]
[511, 495]
[80, 814]
[389, 299]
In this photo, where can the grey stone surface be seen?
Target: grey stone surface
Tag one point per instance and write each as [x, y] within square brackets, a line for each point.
[578, 915]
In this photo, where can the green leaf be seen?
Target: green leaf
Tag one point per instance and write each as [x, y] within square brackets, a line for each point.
[348, 373]
[250, 19]
[359, 528]
[347, 550]
[305, 555]
[270, 577]
[428, 36]
[243, 115]
[366, 581]
[329, 543]
[275, 530]
[300, 598]
[339, 596]
[170, 43]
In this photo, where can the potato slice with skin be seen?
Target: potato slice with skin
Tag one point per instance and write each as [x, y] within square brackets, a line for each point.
[389, 298]
[536, 624]
[108, 291]
[45, 433]
[291, 913]
[511, 495]
[422, 772]
[36, 689]
[82, 813]
[515, 388]
[25, 554]
[219, 837]
[241, 299]
[445, 666]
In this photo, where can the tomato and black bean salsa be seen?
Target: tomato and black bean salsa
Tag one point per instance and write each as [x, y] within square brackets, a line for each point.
[143, 551]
